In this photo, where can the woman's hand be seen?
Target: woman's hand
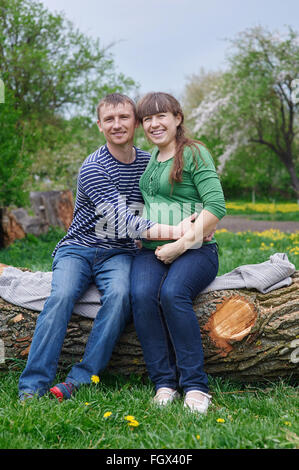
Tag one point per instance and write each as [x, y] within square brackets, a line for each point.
[169, 252]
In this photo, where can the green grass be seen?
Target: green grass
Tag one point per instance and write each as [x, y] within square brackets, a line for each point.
[236, 249]
[32, 252]
[256, 416]
[264, 210]
[251, 417]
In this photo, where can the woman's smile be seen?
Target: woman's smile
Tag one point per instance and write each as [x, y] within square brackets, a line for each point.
[161, 128]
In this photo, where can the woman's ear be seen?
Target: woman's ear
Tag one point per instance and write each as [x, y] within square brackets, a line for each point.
[179, 119]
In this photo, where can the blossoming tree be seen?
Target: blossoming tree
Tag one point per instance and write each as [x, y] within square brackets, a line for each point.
[255, 104]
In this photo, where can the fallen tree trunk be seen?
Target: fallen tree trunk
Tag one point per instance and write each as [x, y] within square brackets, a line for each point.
[247, 336]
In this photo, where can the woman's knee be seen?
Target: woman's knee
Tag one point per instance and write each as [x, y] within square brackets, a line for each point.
[171, 294]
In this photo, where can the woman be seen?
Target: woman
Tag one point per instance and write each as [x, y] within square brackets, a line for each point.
[167, 276]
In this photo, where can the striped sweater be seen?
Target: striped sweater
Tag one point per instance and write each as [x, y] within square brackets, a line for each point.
[109, 203]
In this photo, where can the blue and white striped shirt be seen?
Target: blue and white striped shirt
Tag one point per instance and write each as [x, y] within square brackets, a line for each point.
[109, 203]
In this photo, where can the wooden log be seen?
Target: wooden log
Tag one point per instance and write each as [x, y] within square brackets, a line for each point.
[10, 228]
[54, 208]
[247, 336]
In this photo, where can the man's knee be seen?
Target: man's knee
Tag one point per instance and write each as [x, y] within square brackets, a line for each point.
[117, 292]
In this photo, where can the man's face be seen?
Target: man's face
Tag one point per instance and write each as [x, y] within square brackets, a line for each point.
[117, 123]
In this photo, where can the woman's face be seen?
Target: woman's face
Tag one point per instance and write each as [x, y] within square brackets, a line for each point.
[161, 128]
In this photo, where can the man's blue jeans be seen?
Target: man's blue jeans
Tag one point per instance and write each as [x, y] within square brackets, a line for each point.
[164, 318]
[74, 268]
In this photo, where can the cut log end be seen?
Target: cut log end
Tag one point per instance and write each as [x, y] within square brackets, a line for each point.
[232, 320]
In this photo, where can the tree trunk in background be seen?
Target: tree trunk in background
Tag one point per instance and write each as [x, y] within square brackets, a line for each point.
[10, 228]
[51, 208]
[247, 336]
[54, 208]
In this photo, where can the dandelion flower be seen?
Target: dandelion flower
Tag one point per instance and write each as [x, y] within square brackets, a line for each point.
[107, 414]
[197, 436]
[220, 420]
[287, 423]
[86, 403]
[130, 418]
[133, 422]
[95, 379]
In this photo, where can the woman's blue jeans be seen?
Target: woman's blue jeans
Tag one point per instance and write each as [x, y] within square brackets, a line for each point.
[74, 268]
[164, 318]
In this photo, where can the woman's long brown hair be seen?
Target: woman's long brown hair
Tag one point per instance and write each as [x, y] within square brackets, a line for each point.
[154, 103]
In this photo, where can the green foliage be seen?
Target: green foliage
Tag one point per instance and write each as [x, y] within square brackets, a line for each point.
[250, 116]
[54, 76]
[14, 160]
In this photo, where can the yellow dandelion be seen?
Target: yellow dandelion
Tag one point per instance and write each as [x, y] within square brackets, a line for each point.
[133, 422]
[197, 436]
[220, 420]
[86, 403]
[287, 423]
[130, 418]
[107, 414]
[95, 379]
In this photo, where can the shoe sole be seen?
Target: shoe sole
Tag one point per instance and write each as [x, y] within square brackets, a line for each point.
[171, 400]
[57, 393]
[193, 409]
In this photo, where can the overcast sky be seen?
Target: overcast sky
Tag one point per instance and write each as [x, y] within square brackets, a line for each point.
[161, 42]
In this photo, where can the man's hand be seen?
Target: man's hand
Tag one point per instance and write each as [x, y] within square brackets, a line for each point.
[138, 244]
[209, 237]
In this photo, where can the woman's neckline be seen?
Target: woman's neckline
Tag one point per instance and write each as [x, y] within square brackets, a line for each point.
[162, 161]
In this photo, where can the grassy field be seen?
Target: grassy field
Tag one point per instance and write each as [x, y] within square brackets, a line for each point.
[264, 210]
[242, 416]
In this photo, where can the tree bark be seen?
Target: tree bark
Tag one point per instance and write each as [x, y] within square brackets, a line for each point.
[246, 335]
[10, 228]
[54, 208]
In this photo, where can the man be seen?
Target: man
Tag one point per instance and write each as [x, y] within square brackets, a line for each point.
[98, 247]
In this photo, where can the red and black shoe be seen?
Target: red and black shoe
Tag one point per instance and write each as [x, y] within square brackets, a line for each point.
[63, 391]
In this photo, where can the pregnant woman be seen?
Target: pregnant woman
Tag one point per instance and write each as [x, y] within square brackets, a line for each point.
[179, 180]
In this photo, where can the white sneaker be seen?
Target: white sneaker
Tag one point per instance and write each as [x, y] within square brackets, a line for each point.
[198, 401]
[165, 395]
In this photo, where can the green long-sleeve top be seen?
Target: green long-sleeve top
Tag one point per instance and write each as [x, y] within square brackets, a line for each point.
[199, 189]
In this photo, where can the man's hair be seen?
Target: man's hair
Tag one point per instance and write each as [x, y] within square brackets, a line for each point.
[115, 99]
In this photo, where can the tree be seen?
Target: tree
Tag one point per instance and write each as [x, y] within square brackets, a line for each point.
[53, 73]
[255, 105]
[14, 161]
[198, 86]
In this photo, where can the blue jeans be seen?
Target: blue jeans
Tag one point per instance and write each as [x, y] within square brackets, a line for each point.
[74, 269]
[165, 322]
